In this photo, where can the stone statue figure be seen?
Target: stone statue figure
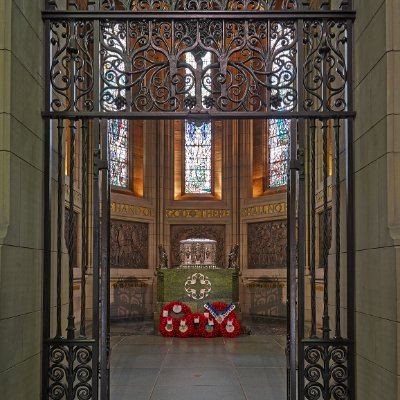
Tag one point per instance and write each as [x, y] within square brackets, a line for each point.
[233, 257]
[163, 263]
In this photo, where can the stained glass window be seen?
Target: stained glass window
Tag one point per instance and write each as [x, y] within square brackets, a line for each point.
[198, 144]
[117, 130]
[278, 130]
[198, 158]
[278, 148]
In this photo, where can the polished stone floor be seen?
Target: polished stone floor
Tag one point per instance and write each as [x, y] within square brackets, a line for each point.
[156, 368]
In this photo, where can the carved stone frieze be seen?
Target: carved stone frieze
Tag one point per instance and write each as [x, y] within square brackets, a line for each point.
[188, 213]
[130, 210]
[129, 244]
[265, 209]
[182, 232]
[267, 243]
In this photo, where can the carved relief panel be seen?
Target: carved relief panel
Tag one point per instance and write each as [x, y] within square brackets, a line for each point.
[129, 244]
[182, 232]
[267, 242]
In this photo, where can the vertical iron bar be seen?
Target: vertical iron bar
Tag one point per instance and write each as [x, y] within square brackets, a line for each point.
[96, 198]
[60, 213]
[301, 236]
[71, 234]
[337, 228]
[293, 261]
[82, 330]
[96, 255]
[104, 268]
[325, 249]
[350, 222]
[47, 242]
[301, 255]
[313, 236]
[47, 211]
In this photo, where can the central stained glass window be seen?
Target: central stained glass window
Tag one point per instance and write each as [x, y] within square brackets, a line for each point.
[278, 149]
[117, 130]
[198, 143]
[198, 158]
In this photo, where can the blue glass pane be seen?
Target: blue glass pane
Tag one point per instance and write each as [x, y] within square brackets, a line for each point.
[117, 130]
[278, 149]
[198, 157]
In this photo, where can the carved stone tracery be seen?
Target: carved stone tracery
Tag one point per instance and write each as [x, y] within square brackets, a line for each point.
[129, 244]
[267, 244]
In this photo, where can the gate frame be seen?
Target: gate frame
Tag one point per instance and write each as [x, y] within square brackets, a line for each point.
[296, 192]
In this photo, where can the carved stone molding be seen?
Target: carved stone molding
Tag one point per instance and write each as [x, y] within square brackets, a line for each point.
[130, 210]
[129, 244]
[182, 232]
[188, 213]
[267, 242]
[265, 209]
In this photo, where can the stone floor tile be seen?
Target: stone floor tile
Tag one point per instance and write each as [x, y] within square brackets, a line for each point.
[130, 392]
[198, 393]
[131, 360]
[141, 348]
[181, 360]
[197, 376]
[134, 376]
[263, 383]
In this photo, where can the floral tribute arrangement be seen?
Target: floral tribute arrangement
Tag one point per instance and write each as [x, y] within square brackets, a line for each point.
[219, 319]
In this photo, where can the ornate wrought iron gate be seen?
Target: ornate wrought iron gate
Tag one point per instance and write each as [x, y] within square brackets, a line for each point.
[290, 59]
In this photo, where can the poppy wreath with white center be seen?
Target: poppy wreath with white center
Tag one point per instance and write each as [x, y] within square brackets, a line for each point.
[173, 311]
[211, 328]
[230, 327]
[168, 326]
[184, 327]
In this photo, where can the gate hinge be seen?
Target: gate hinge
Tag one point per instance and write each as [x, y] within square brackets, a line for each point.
[99, 164]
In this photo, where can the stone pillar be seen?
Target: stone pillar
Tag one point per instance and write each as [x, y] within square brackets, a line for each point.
[377, 156]
[21, 198]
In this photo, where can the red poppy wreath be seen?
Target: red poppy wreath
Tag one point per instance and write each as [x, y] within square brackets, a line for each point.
[170, 319]
[230, 328]
[199, 324]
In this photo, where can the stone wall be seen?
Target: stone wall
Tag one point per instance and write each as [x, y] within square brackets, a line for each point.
[21, 183]
[377, 158]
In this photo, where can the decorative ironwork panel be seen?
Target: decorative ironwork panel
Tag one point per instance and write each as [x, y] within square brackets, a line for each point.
[129, 244]
[71, 70]
[198, 5]
[325, 66]
[248, 60]
[326, 373]
[70, 370]
[267, 242]
[182, 232]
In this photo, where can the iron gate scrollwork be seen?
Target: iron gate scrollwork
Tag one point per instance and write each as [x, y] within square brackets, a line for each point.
[109, 59]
